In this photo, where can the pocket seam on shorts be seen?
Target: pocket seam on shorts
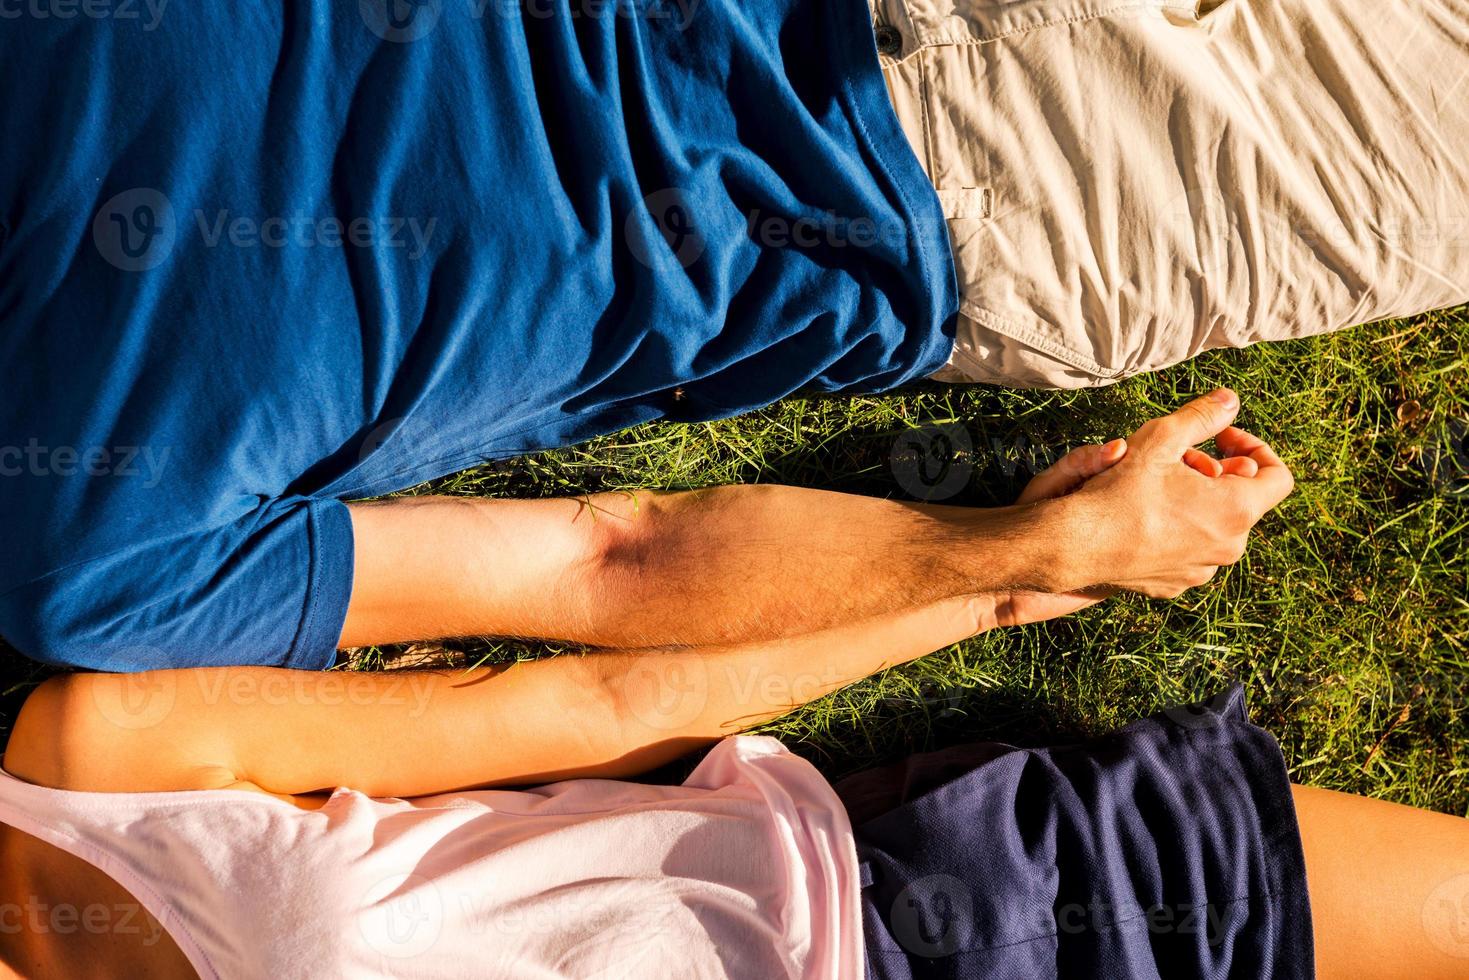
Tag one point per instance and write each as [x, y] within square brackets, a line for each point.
[929, 148]
[967, 203]
[1190, 8]
[1032, 338]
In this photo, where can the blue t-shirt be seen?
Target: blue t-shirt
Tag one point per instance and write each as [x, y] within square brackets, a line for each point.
[260, 258]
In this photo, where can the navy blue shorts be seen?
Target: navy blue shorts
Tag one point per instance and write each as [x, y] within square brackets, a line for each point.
[1167, 850]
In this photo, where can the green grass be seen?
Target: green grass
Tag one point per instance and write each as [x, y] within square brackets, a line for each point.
[1348, 620]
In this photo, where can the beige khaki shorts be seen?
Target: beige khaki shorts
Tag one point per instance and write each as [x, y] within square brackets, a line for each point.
[1129, 183]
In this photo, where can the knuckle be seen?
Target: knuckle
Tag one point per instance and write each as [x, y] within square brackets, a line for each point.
[1197, 410]
[1153, 427]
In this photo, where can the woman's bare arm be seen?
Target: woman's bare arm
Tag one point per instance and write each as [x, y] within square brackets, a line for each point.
[413, 733]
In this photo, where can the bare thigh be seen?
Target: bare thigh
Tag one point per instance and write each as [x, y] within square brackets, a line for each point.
[1389, 887]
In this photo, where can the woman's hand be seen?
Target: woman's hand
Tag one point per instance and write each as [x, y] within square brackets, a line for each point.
[1064, 476]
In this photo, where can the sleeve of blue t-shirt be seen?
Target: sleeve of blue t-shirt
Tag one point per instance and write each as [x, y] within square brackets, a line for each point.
[270, 587]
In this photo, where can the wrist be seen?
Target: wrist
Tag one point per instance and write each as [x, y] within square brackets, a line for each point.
[1059, 545]
[1080, 536]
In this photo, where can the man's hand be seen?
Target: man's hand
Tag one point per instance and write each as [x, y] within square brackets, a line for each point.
[1166, 516]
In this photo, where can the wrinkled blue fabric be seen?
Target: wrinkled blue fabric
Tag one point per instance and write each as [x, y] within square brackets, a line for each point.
[260, 258]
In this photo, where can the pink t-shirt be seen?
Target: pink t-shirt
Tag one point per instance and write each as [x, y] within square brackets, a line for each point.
[746, 870]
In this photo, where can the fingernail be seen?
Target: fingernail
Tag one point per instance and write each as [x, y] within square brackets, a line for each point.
[1113, 449]
[1224, 397]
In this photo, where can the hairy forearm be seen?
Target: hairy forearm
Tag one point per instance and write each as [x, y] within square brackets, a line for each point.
[646, 570]
[409, 733]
